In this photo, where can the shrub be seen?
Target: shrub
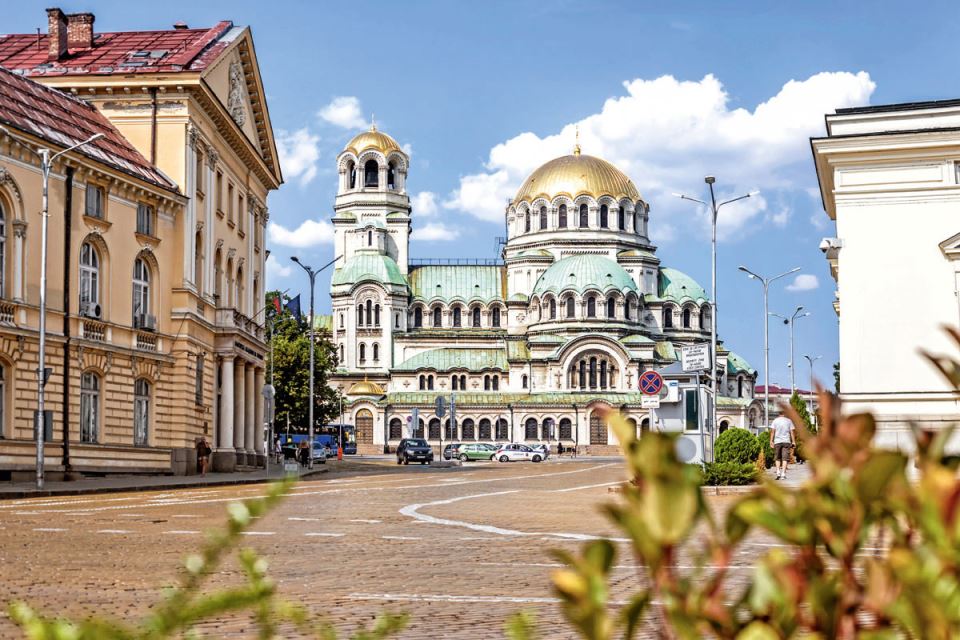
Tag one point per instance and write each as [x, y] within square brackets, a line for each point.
[721, 474]
[736, 445]
[763, 440]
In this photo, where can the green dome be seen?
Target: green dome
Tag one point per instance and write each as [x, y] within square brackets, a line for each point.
[583, 272]
[678, 286]
[368, 266]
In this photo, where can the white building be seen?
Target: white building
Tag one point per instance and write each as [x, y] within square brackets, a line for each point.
[890, 179]
[535, 345]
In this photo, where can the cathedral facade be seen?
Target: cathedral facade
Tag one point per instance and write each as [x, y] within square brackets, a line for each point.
[536, 345]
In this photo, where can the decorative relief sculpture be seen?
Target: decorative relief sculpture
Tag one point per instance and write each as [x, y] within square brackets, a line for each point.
[236, 99]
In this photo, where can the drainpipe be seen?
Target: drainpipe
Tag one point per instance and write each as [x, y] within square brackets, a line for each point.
[67, 272]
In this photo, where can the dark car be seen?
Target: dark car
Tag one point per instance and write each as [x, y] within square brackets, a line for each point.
[414, 450]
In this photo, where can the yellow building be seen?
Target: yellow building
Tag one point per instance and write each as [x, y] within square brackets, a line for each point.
[156, 247]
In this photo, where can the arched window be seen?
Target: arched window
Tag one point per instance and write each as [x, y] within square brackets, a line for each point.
[571, 307]
[626, 309]
[341, 355]
[141, 412]
[141, 290]
[352, 175]
[418, 318]
[454, 383]
[391, 177]
[603, 374]
[433, 429]
[740, 387]
[396, 429]
[456, 316]
[704, 319]
[360, 315]
[486, 383]
[496, 383]
[495, 319]
[611, 307]
[423, 383]
[667, 318]
[363, 353]
[484, 429]
[593, 373]
[547, 429]
[503, 430]
[524, 381]
[463, 383]
[376, 316]
[437, 317]
[591, 307]
[562, 217]
[369, 312]
[370, 238]
[376, 352]
[450, 430]
[543, 218]
[583, 216]
[89, 407]
[686, 318]
[89, 277]
[530, 429]
[218, 277]
[553, 309]
[566, 429]
[582, 375]
[622, 219]
[475, 319]
[526, 221]
[370, 174]
[467, 429]
[429, 383]
[396, 321]
[342, 325]
[238, 295]
[198, 262]
[604, 216]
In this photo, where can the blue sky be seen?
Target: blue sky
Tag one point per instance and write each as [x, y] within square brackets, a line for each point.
[484, 92]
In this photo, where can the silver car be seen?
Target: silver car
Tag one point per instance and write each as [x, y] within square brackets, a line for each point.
[517, 452]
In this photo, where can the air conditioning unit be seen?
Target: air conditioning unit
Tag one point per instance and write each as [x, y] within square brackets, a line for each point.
[90, 310]
[145, 321]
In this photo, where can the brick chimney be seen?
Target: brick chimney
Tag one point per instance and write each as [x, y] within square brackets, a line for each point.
[80, 31]
[57, 30]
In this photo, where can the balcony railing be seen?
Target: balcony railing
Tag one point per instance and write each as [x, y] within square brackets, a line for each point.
[7, 312]
[92, 330]
[233, 319]
[146, 342]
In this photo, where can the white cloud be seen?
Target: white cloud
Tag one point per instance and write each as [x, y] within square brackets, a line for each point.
[666, 134]
[276, 272]
[804, 282]
[308, 234]
[344, 111]
[424, 204]
[779, 218]
[299, 152]
[435, 232]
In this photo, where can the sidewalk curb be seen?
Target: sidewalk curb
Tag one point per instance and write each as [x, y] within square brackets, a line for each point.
[47, 493]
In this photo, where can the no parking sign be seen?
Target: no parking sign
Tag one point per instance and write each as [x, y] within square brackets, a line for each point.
[651, 383]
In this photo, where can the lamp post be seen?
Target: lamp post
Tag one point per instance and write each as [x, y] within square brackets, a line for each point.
[312, 273]
[766, 335]
[46, 164]
[576, 430]
[790, 321]
[714, 209]
[811, 360]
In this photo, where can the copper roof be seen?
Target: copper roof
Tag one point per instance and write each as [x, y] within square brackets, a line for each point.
[123, 52]
[63, 121]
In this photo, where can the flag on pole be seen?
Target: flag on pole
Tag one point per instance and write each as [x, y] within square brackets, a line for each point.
[276, 303]
[293, 306]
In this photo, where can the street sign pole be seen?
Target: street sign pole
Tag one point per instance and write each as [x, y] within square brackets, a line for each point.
[441, 411]
[651, 384]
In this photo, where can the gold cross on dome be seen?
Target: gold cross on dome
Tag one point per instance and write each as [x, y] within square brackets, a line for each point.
[576, 146]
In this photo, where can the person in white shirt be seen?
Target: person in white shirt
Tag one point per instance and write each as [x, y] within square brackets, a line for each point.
[782, 439]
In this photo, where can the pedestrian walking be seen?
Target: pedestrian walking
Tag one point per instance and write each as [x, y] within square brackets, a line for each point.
[782, 439]
[304, 453]
[203, 456]
[277, 450]
[559, 449]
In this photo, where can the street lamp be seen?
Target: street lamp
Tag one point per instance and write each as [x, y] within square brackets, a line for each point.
[715, 209]
[766, 335]
[811, 360]
[790, 321]
[46, 164]
[312, 273]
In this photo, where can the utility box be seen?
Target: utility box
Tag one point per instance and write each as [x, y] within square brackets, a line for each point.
[47, 424]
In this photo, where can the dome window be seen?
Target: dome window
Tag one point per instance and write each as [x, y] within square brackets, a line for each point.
[391, 177]
[611, 307]
[352, 173]
[562, 217]
[526, 222]
[418, 318]
[553, 309]
[495, 320]
[686, 318]
[622, 219]
[668, 318]
[370, 174]
[437, 320]
[475, 319]
[571, 310]
[591, 307]
[604, 216]
[456, 316]
[543, 218]
[583, 216]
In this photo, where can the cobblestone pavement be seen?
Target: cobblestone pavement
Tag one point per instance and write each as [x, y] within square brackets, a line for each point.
[460, 549]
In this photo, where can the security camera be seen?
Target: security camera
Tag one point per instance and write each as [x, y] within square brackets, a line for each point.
[830, 243]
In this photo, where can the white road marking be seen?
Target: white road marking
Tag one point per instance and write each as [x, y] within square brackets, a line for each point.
[113, 531]
[588, 486]
[416, 597]
[364, 521]
[296, 519]
[28, 513]
[184, 515]
[131, 515]
[258, 533]
[400, 538]
[321, 534]
[184, 532]
[49, 529]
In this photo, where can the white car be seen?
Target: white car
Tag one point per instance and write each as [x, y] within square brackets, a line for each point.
[542, 448]
[517, 452]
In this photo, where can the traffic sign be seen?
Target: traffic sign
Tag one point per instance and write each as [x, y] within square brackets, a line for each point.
[441, 407]
[409, 419]
[695, 357]
[650, 402]
[651, 383]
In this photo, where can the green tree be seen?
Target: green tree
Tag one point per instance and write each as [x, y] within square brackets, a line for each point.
[291, 357]
[800, 406]
[836, 377]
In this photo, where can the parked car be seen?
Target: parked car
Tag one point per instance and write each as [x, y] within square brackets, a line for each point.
[517, 452]
[477, 451]
[320, 454]
[542, 448]
[452, 450]
[414, 450]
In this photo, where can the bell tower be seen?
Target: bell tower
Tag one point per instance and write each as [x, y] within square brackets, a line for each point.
[372, 208]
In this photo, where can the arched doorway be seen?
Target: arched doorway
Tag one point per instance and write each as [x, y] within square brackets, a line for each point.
[549, 430]
[364, 427]
[530, 429]
[724, 425]
[396, 429]
[645, 426]
[598, 429]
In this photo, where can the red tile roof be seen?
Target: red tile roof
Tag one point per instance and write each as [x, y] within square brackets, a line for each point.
[125, 52]
[63, 121]
[776, 390]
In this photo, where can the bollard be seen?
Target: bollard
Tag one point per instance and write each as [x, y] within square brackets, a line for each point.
[339, 453]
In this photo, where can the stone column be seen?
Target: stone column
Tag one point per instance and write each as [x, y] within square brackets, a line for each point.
[239, 411]
[19, 235]
[189, 220]
[249, 419]
[224, 458]
[258, 417]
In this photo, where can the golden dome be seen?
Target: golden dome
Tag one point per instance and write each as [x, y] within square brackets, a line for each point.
[577, 175]
[365, 388]
[372, 139]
